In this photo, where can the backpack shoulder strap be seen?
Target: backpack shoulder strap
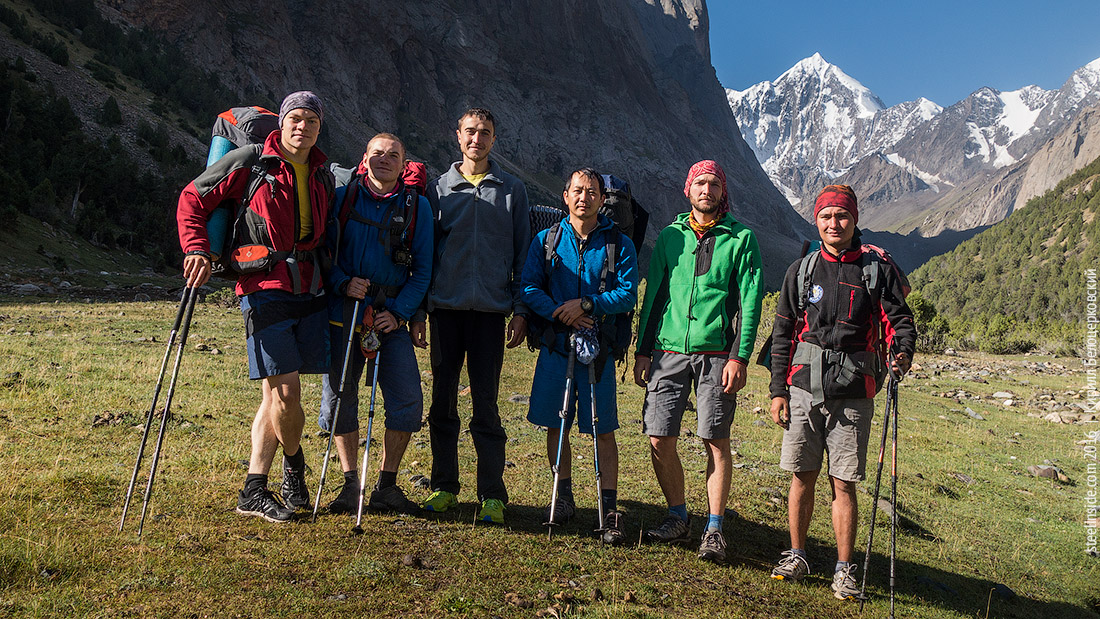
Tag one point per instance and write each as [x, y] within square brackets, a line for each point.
[550, 247]
[805, 270]
[873, 281]
[258, 174]
[611, 256]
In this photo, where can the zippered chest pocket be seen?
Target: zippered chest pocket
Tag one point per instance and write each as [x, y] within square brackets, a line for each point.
[854, 305]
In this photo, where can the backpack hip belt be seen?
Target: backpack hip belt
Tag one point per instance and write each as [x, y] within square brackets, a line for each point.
[851, 366]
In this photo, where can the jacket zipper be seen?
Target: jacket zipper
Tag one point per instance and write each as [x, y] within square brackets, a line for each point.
[691, 298]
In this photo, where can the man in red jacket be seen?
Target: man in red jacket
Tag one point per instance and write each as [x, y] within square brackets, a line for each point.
[281, 296]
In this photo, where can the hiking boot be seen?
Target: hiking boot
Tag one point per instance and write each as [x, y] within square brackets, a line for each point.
[613, 534]
[563, 512]
[792, 567]
[713, 547]
[440, 501]
[844, 585]
[294, 489]
[671, 531]
[492, 511]
[263, 503]
[392, 499]
[347, 502]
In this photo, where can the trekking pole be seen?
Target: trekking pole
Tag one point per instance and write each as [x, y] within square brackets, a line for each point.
[358, 528]
[166, 412]
[874, 500]
[596, 444]
[153, 407]
[336, 406]
[563, 414]
[892, 397]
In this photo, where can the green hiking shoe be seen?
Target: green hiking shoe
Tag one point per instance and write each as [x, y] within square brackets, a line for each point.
[492, 511]
[440, 501]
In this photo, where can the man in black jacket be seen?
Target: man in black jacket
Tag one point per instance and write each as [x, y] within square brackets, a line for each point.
[831, 323]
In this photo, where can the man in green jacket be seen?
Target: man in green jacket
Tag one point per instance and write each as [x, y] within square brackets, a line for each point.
[697, 326]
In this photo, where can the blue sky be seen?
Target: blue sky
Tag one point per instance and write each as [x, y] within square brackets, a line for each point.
[941, 50]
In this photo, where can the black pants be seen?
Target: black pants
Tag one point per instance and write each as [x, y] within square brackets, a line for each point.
[478, 339]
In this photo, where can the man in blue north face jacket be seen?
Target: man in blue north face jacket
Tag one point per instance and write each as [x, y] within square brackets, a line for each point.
[577, 291]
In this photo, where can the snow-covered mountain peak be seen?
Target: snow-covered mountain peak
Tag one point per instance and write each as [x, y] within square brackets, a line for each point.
[926, 108]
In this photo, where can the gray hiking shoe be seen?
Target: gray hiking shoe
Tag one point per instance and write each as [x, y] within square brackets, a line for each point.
[613, 534]
[294, 490]
[392, 499]
[262, 503]
[792, 567]
[563, 512]
[713, 547]
[844, 585]
[671, 531]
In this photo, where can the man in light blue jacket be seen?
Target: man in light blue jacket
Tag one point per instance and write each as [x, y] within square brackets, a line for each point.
[590, 282]
[481, 237]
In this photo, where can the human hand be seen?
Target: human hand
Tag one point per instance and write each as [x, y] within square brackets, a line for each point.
[385, 321]
[571, 314]
[357, 288]
[196, 270]
[734, 375]
[517, 331]
[642, 366]
[418, 330]
[781, 412]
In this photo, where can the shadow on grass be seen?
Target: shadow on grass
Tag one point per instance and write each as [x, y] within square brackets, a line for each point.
[915, 583]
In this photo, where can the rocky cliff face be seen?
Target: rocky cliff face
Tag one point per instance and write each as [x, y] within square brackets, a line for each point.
[623, 85]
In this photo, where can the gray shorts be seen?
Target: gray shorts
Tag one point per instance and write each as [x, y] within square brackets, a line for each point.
[839, 426]
[671, 378]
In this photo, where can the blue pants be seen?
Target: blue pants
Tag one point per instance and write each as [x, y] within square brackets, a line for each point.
[548, 392]
[398, 378]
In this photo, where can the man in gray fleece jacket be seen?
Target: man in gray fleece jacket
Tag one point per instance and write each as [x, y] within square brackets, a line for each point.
[481, 239]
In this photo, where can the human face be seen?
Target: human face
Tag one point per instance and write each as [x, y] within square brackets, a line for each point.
[475, 138]
[583, 197]
[705, 193]
[385, 161]
[836, 227]
[300, 130]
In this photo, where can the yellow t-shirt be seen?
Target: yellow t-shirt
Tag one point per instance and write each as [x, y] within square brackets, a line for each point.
[305, 210]
[475, 179]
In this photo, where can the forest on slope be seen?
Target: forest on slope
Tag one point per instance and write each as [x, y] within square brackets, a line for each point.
[1021, 284]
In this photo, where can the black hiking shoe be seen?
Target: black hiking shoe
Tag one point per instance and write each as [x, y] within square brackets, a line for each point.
[347, 502]
[263, 503]
[392, 499]
[713, 547]
[294, 489]
[671, 531]
[563, 508]
[613, 534]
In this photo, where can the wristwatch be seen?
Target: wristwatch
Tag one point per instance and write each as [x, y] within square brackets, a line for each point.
[587, 305]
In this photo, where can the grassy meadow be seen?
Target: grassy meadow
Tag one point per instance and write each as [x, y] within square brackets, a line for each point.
[980, 537]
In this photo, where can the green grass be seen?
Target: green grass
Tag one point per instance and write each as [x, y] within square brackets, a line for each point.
[64, 364]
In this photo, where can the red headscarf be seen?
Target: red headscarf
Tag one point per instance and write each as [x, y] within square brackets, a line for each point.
[837, 195]
[707, 166]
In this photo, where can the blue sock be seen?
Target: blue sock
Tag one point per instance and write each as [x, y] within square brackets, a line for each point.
[800, 552]
[680, 511]
[840, 565]
[714, 523]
